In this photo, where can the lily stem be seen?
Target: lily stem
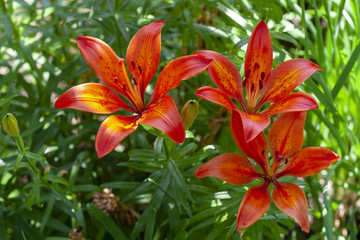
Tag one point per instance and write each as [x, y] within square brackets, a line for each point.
[21, 147]
[166, 150]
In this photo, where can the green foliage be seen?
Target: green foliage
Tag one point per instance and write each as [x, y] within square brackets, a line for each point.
[49, 190]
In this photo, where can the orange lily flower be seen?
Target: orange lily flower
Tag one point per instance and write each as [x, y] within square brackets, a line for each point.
[262, 85]
[142, 59]
[289, 159]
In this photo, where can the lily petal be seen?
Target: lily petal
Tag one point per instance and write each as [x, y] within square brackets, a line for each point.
[285, 77]
[294, 102]
[286, 135]
[309, 161]
[224, 74]
[92, 97]
[165, 117]
[105, 63]
[229, 167]
[291, 200]
[255, 149]
[143, 54]
[112, 131]
[216, 96]
[181, 68]
[253, 124]
[253, 206]
[258, 61]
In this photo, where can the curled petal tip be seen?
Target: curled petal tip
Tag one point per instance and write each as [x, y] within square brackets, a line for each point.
[317, 67]
[100, 154]
[262, 23]
[198, 173]
[57, 104]
[79, 38]
[316, 106]
[160, 22]
[336, 157]
[83, 40]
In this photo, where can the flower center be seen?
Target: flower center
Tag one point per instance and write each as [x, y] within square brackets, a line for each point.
[254, 83]
[270, 178]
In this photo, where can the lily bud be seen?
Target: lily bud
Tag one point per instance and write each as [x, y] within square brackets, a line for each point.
[189, 113]
[10, 125]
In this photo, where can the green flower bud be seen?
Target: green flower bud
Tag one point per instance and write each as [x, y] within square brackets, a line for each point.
[189, 113]
[10, 125]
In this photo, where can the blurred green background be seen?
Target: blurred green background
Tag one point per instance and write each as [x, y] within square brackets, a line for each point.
[151, 199]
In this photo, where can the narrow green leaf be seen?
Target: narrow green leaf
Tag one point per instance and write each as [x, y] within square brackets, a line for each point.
[333, 130]
[85, 188]
[2, 226]
[8, 28]
[56, 238]
[4, 101]
[140, 167]
[345, 73]
[154, 205]
[187, 148]
[142, 155]
[181, 235]
[353, 227]
[120, 185]
[18, 160]
[319, 36]
[328, 212]
[57, 179]
[158, 145]
[189, 134]
[150, 224]
[144, 187]
[107, 223]
[176, 174]
[303, 19]
[328, 103]
[80, 218]
[30, 199]
[121, 26]
[47, 213]
[63, 198]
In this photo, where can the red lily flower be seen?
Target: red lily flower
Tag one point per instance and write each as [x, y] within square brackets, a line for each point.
[142, 59]
[285, 141]
[262, 85]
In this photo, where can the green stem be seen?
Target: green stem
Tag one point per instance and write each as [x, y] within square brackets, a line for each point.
[166, 150]
[21, 147]
[33, 167]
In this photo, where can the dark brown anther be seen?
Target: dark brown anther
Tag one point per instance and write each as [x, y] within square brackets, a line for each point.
[260, 84]
[124, 87]
[262, 152]
[115, 79]
[135, 82]
[79, 229]
[244, 82]
[132, 64]
[262, 75]
[252, 87]
[247, 74]
[140, 70]
[286, 161]
[256, 66]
